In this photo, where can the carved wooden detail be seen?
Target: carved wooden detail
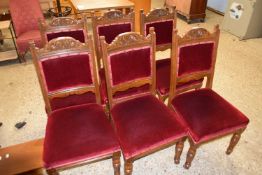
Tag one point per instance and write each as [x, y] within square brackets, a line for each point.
[234, 140]
[179, 149]
[128, 39]
[197, 33]
[158, 14]
[128, 167]
[62, 43]
[116, 163]
[190, 155]
[114, 15]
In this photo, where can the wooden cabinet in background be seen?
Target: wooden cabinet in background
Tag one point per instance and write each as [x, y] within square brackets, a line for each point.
[191, 9]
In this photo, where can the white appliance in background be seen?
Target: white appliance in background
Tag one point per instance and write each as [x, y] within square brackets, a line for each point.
[218, 5]
[243, 18]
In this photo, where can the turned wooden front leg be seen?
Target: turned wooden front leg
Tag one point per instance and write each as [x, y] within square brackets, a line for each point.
[179, 149]
[190, 155]
[234, 140]
[128, 167]
[52, 172]
[116, 163]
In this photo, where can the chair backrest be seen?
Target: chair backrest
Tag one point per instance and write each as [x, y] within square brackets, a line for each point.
[64, 26]
[163, 21]
[110, 25]
[25, 15]
[193, 57]
[66, 67]
[129, 63]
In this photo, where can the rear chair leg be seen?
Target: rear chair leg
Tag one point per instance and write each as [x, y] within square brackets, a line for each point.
[128, 167]
[234, 140]
[179, 150]
[116, 163]
[52, 172]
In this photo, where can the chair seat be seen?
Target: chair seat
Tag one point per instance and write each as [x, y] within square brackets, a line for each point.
[208, 115]
[72, 100]
[78, 134]
[144, 124]
[131, 91]
[24, 39]
[163, 68]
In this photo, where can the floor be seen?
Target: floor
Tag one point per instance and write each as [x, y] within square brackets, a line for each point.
[238, 78]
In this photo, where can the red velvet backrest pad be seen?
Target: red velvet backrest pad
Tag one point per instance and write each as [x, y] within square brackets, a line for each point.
[25, 15]
[76, 34]
[111, 31]
[195, 58]
[67, 71]
[130, 65]
[163, 30]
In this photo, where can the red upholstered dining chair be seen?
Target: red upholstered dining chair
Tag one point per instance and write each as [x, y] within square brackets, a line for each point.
[164, 21]
[80, 133]
[207, 114]
[64, 26]
[25, 15]
[143, 123]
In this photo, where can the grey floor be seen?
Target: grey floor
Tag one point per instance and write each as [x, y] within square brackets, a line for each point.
[238, 78]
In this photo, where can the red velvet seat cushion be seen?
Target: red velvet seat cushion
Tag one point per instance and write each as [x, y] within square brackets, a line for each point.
[143, 124]
[72, 100]
[120, 94]
[194, 58]
[67, 71]
[163, 30]
[137, 59]
[163, 68]
[76, 34]
[111, 31]
[76, 134]
[207, 114]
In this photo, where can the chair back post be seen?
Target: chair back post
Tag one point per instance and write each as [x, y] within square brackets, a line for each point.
[195, 36]
[40, 77]
[122, 43]
[154, 17]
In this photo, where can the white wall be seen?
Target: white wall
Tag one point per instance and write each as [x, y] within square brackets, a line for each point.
[219, 5]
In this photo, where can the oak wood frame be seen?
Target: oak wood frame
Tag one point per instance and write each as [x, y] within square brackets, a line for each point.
[62, 24]
[195, 36]
[127, 41]
[157, 15]
[109, 18]
[60, 47]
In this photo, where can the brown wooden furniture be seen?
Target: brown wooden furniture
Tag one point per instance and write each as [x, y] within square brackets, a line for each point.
[207, 114]
[191, 9]
[66, 70]
[21, 158]
[64, 26]
[142, 123]
[140, 4]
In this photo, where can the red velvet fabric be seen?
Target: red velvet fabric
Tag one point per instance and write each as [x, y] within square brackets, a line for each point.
[67, 71]
[25, 15]
[111, 31]
[120, 94]
[76, 134]
[163, 30]
[23, 40]
[72, 100]
[163, 68]
[143, 124]
[207, 114]
[76, 34]
[194, 58]
[137, 60]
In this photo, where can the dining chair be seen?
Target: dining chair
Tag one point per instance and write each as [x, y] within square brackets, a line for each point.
[164, 21]
[142, 123]
[64, 26]
[207, 115]
[76, 134]
[25, 15]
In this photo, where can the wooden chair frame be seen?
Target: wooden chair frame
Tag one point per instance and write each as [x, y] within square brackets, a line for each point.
[62, 46]
[109, 18]
[195, 36]
[129, 41]
[62, 24]
[157, 15]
